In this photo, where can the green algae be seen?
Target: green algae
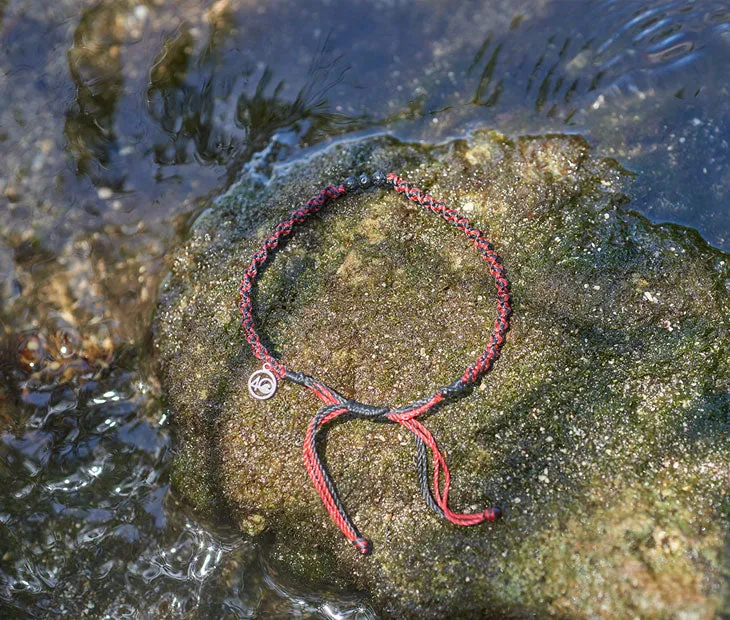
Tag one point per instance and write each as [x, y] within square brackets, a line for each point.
[603, 430]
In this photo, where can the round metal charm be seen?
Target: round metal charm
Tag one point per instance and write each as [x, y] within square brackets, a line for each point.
[262, 384]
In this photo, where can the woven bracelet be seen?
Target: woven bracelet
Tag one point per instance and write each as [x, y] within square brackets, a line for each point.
[263, 383]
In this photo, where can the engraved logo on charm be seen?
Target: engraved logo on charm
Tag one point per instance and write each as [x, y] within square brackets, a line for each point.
[262, 384]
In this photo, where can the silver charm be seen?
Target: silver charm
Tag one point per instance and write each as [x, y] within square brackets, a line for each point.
[262, 384]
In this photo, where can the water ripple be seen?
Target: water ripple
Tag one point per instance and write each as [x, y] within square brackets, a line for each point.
[86, 503]
[609, 44]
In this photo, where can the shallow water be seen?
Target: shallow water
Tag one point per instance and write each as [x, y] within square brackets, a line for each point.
[120, 117]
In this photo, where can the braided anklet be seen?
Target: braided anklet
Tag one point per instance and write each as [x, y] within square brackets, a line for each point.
[263, 383]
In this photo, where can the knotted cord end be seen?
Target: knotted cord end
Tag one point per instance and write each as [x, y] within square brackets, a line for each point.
[363, 545]
[492, 514]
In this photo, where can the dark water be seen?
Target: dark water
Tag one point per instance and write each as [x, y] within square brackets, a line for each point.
[120, 117]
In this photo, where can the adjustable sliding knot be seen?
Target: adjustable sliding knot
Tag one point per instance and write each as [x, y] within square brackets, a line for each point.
[361, 410]
[453, 389]
[435, 491]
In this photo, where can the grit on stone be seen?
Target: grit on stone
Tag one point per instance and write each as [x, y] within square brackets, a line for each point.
[602, 431]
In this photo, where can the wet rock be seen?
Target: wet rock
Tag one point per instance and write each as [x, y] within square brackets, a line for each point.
[603, 430]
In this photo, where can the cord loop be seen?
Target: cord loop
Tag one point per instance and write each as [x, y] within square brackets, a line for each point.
[436, 492]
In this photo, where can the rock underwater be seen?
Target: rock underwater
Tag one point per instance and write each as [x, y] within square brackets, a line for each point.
[603, 430]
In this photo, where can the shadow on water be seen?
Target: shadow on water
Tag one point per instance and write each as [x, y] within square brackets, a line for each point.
[187, 102]
[209, 106]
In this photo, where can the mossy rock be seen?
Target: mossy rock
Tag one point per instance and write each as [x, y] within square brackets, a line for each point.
[602, 431]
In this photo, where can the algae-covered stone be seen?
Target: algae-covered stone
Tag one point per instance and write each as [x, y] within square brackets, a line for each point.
[602, 431]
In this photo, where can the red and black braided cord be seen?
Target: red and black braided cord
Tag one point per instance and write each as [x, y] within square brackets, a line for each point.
[436, 491]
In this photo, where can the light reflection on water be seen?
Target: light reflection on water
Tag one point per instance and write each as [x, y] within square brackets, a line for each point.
[121, 116]
[89, 525]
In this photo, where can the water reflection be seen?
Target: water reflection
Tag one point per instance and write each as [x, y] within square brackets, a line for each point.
[217, 115]
[643, 79]
[168, 99]
[95, 65]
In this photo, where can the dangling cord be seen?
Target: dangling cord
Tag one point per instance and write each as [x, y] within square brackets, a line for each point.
[337, 406]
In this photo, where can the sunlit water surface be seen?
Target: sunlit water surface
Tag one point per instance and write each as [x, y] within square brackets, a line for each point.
[120, 117]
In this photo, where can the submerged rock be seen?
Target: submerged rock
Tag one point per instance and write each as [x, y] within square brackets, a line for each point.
[602, 431]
